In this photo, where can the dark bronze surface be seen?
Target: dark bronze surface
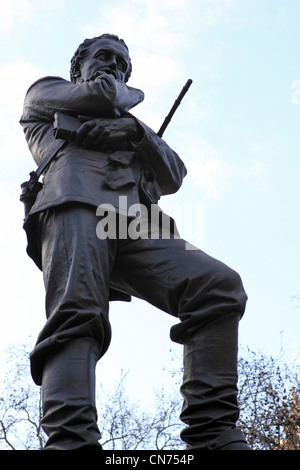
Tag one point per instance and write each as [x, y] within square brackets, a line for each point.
[109, 155]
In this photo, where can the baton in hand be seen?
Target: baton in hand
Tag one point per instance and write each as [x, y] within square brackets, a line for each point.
[174, 107]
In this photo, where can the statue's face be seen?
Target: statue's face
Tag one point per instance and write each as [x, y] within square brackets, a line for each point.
[106, 55]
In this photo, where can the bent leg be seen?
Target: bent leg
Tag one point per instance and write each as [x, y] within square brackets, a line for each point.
[190, 285]
[209, 299]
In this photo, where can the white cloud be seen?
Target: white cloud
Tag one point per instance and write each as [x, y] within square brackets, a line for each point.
[21, 282]
[15, 80]
[162, 26]
[14, 10]
[164, 39]
[152, 40]
[213, 170]
[144, 25]
[20, 12]
[18, 273]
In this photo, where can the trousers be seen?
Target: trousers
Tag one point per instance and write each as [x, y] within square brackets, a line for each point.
[79, 268]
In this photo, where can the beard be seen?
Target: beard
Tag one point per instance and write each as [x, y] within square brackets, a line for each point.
[112, 73]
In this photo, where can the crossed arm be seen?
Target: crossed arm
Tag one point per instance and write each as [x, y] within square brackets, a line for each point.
[113, 100]
[105, 134]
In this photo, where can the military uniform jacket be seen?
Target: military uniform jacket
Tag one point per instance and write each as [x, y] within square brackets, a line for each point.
[148, 167]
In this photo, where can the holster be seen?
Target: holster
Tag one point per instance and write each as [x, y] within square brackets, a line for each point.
[30, 190]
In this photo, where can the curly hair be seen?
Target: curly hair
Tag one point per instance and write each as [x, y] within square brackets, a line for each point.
[82, 52]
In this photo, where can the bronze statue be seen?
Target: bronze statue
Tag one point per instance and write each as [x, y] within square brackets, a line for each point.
[110, 156]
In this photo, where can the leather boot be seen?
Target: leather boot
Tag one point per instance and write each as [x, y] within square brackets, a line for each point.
[68, 397]
[209, 388]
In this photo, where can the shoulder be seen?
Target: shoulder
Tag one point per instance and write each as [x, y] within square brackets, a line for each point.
[44, 82]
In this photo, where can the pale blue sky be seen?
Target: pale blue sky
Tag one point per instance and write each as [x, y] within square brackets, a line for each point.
[237, 131]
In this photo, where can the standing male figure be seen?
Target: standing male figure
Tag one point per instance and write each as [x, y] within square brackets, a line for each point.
[114, 154]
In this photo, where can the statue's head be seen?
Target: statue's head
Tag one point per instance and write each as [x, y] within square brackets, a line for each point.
[105, 53]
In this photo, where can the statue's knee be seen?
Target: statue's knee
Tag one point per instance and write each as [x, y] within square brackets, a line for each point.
[230, 284]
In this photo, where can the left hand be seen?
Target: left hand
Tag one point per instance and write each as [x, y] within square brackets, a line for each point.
[106, 134]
